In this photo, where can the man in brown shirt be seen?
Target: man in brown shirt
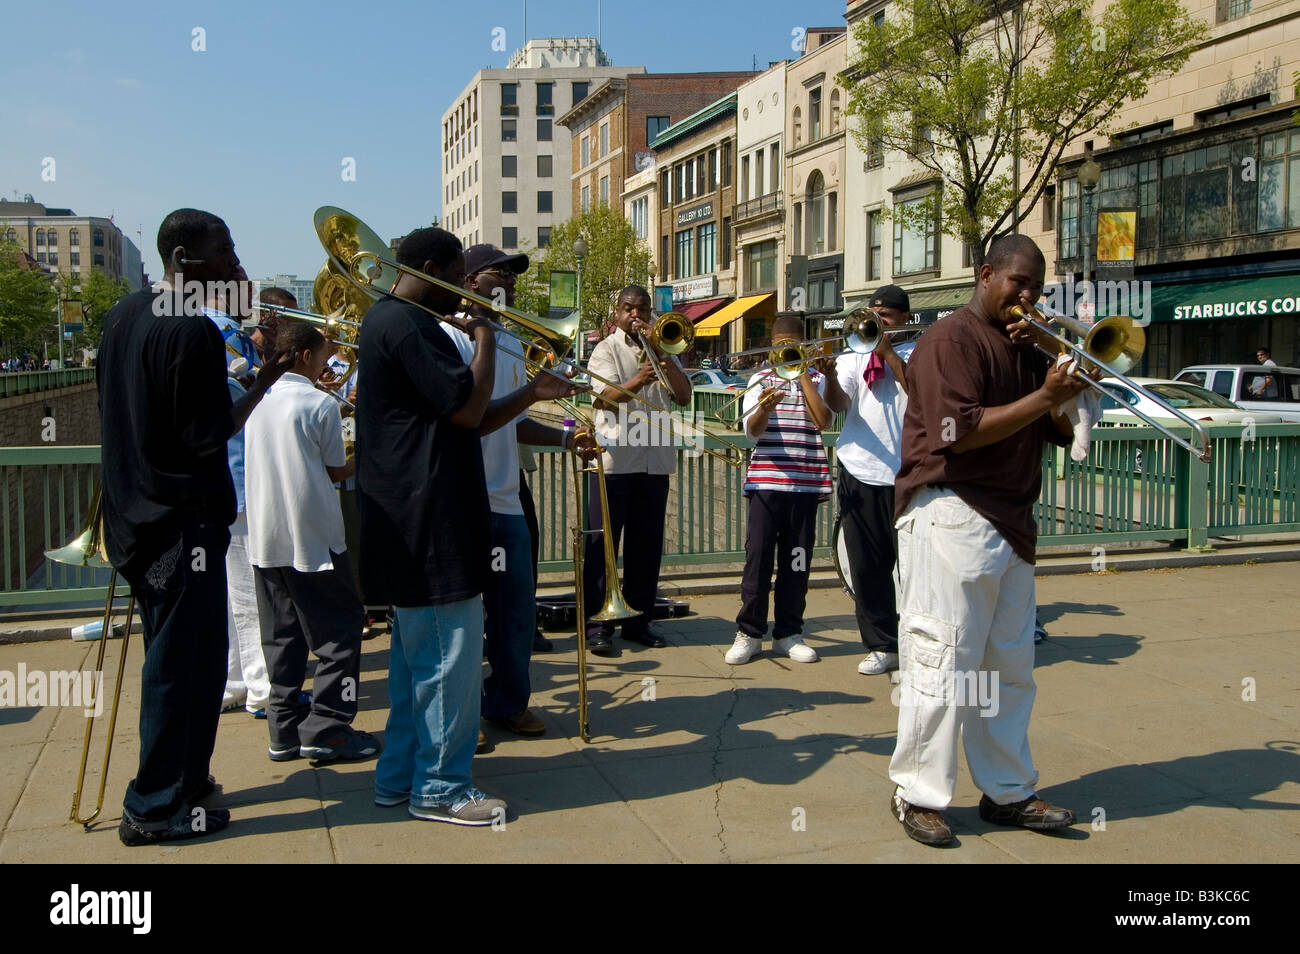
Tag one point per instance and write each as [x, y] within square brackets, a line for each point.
[981, 402]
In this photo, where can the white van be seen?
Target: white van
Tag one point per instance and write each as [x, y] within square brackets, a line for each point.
[1255, 387]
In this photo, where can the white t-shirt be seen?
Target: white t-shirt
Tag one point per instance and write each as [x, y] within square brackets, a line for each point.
[637, 439]
[294, 519]
[500, 448]
[870, 445]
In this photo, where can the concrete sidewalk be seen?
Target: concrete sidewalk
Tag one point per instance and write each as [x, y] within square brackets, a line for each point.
[1140, 721]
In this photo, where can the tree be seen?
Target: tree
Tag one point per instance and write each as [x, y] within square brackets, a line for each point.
[27, 302]
[615, 258]
[965, 87]
[99, 292]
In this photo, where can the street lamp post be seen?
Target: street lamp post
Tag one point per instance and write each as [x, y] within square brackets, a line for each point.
[1089, 176]
[580, 250]
[58, 314]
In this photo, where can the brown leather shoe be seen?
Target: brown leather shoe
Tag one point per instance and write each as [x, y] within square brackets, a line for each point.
[482, 743]
[522, 723]
[921, 824]
[1033, 813]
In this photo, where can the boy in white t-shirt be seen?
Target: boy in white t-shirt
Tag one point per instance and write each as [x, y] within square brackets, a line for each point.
[306, 596]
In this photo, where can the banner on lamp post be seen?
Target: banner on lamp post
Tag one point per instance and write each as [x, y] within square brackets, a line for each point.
[1116, 244]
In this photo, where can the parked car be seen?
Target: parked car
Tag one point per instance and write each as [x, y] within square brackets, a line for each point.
[712, 378]
[1255, 387]
[1196, 402]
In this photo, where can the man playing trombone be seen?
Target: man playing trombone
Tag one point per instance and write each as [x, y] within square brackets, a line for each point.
[640, 454]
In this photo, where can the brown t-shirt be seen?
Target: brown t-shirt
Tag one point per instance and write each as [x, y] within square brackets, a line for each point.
[962, 365]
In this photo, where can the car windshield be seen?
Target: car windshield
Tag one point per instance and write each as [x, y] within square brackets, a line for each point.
[1182, 395]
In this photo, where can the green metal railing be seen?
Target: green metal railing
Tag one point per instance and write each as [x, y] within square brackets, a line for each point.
[1136, 485]
[29, 382]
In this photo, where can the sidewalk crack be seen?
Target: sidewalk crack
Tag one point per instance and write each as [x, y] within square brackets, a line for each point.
[716, 768]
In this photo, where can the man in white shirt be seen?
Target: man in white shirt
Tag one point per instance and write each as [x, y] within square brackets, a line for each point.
[873, 389]
[509, 599]
[306, 597]
[640, 454]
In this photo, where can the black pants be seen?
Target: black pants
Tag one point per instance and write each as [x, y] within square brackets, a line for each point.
[530, 518]
[181, 594]
[867, 522]
[637, 504]
[319, 612]
[782, 527]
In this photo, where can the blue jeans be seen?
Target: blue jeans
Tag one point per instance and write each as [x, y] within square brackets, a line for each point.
[510, 604]
[434, 691]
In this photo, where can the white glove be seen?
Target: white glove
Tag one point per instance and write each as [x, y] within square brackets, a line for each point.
[1082, 411]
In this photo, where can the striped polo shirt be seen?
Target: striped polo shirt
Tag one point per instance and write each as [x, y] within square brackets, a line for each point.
[789, 455]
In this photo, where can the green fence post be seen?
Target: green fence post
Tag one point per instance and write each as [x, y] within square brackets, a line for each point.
[1192, 499]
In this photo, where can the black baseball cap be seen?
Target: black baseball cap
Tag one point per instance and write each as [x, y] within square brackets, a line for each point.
[891, 296]
[479, 258]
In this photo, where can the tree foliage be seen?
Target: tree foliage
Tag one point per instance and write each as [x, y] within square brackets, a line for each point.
[27, 301]
[99, 292]
[615, 258]
[992, 80]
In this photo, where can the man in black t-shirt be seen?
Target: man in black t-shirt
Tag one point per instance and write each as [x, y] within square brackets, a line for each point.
[425, 530]
[168, 502]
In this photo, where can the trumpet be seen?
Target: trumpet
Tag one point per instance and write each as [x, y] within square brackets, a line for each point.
[1113, 345]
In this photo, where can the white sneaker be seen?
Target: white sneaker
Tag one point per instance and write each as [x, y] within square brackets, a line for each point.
[744, 649]
[793, 646]
[877, 662]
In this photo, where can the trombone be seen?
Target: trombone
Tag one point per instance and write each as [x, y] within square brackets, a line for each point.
[356, 251]
[670, 333]
[88, 550]
[1113, 345]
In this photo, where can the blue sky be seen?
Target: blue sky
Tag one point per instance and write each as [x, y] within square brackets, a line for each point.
[255, 127]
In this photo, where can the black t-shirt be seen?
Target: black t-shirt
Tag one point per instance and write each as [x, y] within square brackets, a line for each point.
[165, 416]
[960, 367]
[421, 494]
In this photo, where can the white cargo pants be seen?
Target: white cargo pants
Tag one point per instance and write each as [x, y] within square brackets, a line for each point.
[966, 655]
[246, 676]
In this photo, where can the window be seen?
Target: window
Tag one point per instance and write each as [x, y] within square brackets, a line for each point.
[604, 139]
[708, 240]
[835, 110]
[758, 173]
[509, 99]
[54, 256]
[760, 267]
[726, 163]
[798, 228]
[1233, 109]
[97, 239]
[509, 130]
[543, 130]
[99, 260]
[701, 175]
[814, 114]
[544, 167]
[74, 258]
[744, 179]
[1067, 239]
[509, 167]
[586, 150]
[604, 190]
[726, 243]
[1232, 9]
[11, 236]
[823, 291]
[1194, 199]
[714, 178]
[878, 19]
[509, 201]
[544, 202]
[832, 220]
[875, 152]
[685, 254]
[641, 217]
[797, 122]
[74, 238]
[1279, 181]
[665, 198]
[40, 237]
[545, 99]
[663, 254]
[53, 238]
[1134, 136]
[40, 257]
[775, 166]
[510, 237]
[543, 236]
[580, 92]
[915, 250]
[814, 198]
[586, 198]
[873, 245]
[654, 125]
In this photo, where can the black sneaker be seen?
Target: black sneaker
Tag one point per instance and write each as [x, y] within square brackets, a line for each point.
[352, 746]
[541, 644]
[205, 821]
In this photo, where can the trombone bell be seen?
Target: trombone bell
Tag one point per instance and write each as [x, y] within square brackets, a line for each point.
[672, 333]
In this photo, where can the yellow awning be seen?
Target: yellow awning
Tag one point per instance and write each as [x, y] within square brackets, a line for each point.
[712, 326]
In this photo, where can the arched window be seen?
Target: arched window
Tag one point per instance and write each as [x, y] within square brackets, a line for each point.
[835, 110]
[74, 238]
[52, 238]
[40, 237]
[11, 236]
[798, 126]
[97, 238]
[815, 200]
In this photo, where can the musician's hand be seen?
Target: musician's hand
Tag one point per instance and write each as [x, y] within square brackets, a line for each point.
[644, 375]
[1060, 385]
[770, 397]
[825, 364]
[583, 443]
[1023, 332]
[328, 378]
[548, 387]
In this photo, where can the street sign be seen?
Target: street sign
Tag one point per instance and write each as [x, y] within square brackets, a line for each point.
[74, 327]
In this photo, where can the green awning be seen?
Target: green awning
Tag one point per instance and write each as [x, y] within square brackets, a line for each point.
[1265, 297]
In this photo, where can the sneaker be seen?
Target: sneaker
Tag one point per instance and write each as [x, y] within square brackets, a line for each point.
[793, 646]
[921, 824]
[1040, 633]
[541, 644]
[351, 746]
[877, 662]
[472, 808]
[1032, 812]
[744, 649]
[233, 705]
[284, 753]
[133, 834]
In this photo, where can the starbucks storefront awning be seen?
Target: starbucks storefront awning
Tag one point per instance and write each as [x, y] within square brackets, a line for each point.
[1266, 297]
[758, 306]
